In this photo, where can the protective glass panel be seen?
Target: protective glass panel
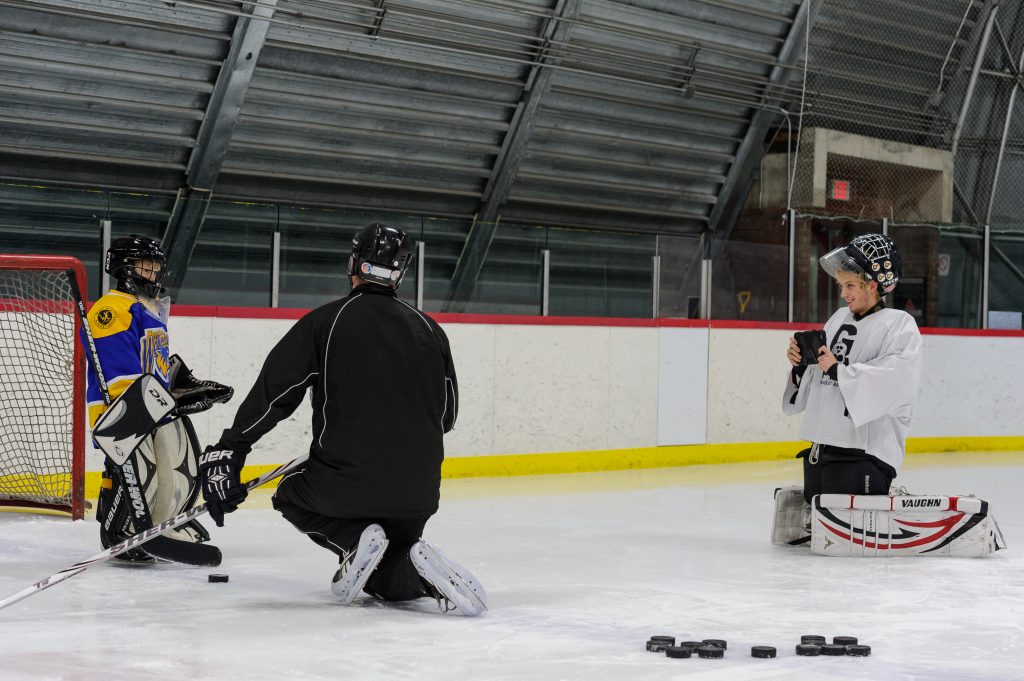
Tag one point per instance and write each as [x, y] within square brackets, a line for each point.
[510, 280]
[231, 261]
[750, 274]
[679, 293]
[958, 271]
[601, 274]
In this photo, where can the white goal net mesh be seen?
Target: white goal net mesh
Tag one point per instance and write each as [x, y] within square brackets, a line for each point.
[37, 386]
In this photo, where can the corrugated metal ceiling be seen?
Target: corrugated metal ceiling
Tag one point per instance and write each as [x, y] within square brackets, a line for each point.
[407, 105]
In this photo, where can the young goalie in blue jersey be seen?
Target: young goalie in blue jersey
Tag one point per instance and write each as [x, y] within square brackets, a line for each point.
[129, 330]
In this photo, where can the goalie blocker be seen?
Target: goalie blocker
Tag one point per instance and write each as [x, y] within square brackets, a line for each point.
[886, 525]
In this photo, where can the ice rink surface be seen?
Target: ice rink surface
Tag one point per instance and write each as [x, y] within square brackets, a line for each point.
[580, 570]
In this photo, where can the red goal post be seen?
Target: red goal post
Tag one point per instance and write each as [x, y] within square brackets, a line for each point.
[42, 384]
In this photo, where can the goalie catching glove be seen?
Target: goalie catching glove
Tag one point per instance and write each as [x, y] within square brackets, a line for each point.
[220, 472]
[192, 396]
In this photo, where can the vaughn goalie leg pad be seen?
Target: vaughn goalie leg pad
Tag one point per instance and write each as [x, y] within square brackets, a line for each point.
[791, 523]
[903, 525]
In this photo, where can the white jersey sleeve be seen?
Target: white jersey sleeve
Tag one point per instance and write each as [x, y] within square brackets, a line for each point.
[794, 400]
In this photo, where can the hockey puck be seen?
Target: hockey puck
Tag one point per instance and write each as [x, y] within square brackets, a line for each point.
[679, 652]
[217, 578]
[833, 650]
[844, 640]
[813, 640]
[690, 644]
[657, 646]
[808, 650]
[671, 640]
[762, 651]
[858, 650]
[711, 652]
[716, 642]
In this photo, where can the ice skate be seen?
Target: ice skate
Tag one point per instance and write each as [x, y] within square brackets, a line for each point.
[357, 566]
[454, 587]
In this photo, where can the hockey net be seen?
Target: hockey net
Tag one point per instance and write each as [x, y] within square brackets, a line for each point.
[42, 384]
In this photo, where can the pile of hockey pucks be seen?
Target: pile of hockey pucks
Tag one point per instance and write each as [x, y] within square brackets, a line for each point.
[708, 648]
[812, 646]
[714, 648]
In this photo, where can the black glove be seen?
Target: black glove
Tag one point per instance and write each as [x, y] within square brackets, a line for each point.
[809, 343]
[191, 395]
[219, 471]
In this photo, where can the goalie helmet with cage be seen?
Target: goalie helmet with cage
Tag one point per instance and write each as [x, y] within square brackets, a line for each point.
[380, 255]
[874, 256]
[122, 257]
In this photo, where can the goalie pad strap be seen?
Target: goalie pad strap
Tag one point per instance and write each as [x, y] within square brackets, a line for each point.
[896, 502]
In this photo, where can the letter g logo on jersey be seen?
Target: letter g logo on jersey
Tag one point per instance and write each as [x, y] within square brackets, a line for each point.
[842, 343]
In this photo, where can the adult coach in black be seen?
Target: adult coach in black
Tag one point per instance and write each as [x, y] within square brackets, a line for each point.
[384, 394]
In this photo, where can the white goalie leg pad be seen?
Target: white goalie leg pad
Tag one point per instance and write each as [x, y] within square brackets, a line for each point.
[171, 480]
[903, 525]
[792, 518]
[177, 469]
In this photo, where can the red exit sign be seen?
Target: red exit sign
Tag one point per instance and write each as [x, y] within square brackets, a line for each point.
[840, 190]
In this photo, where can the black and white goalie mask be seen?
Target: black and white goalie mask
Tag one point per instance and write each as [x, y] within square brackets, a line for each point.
[380, 255]
[874, 256]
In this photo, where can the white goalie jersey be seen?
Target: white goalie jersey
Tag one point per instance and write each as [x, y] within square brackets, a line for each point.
[866, 401]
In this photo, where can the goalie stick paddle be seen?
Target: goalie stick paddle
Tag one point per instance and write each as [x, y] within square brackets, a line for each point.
[141, 538]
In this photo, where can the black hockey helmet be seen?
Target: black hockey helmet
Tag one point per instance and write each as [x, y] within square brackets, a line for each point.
[120, 264]
[874, 256]
[380, 255]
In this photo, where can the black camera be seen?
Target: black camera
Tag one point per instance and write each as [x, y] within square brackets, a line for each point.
[809, 343]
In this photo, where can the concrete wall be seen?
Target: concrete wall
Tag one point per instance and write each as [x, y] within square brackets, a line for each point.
[562, 388]
[890, 179]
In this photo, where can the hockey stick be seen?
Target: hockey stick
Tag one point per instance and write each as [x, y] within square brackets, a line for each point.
[163, 547]
[142, 537]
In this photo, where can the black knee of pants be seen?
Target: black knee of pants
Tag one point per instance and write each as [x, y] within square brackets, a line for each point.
[854, 477]
[395, 578]
[845, 471]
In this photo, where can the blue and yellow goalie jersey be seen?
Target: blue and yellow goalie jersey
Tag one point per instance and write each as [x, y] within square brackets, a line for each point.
[131, 340]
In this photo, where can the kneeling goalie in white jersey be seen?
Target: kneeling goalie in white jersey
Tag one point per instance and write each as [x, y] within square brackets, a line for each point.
[857, 382]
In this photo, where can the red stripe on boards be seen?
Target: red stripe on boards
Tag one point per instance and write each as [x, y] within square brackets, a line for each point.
[230, 312]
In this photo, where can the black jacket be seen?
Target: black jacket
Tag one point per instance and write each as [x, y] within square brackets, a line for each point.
[384, 393]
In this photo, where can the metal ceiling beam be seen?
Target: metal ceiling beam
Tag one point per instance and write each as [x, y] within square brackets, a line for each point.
[740, 176]
[977, 44]
[557, 30]
[1007, 123]
[215, 135]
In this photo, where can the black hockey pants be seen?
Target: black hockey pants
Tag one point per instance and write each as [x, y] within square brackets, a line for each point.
[395, 578]
[837, 470]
